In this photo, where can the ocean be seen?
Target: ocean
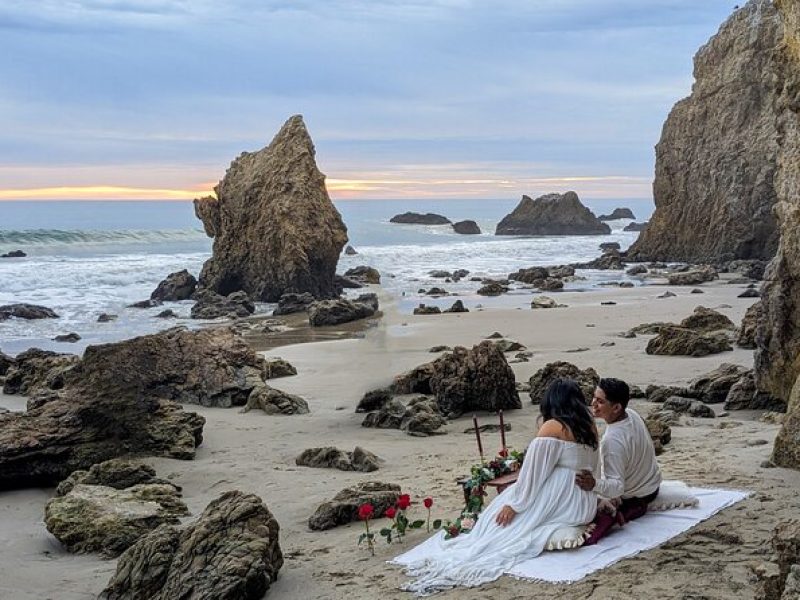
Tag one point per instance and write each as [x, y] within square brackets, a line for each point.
[89, 257]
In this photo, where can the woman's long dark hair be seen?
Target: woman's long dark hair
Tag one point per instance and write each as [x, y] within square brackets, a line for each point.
[565, 403]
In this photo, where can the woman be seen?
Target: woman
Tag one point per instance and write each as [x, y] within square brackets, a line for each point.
[516, 525]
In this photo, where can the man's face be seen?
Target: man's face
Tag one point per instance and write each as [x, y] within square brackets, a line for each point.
[602, 408]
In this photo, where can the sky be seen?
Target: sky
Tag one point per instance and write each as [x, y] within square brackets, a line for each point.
[149, 99]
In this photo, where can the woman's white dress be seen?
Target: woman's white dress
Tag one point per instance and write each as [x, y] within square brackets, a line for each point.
[545, 498]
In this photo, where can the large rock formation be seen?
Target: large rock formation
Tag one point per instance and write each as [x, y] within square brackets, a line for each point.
[37, 370]
[275, 229]
[551, 214]
[716, 175]
[231, 552]
[777, 362]
[464, 380]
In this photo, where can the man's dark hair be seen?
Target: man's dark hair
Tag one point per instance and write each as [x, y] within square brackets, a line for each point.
[616, 390]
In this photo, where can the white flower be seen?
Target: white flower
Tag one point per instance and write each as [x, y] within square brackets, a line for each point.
[467, 523]
[488, 473]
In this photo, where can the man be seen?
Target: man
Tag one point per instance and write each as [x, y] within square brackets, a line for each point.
[630, 475]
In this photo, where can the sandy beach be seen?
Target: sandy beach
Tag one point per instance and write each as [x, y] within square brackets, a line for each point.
[256, 453]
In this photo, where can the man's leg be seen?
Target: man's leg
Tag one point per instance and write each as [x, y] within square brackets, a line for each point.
[633, 508]
[603, 522]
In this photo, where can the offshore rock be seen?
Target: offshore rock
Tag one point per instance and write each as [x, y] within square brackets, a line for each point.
[587, 379]
[466, 228]
[97, 518]
[618, 213]
[413, 218]
[635, 226]
[177, 286]
[231, 552]
[717, 162]
[344, 506]
[551, 214]
[26, 311]
[274, 226]
[363, 274]
[464, 380]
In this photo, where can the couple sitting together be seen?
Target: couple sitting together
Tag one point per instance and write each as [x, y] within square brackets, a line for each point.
[568, 478]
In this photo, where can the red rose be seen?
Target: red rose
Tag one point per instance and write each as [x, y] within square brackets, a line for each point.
[365, 511]
[404, 501]
[504, 452]
[390, 512]
[428, 502]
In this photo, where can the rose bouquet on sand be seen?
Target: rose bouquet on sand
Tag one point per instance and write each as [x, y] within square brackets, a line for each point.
[399, 521]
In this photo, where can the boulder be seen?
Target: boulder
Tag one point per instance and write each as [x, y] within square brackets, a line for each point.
[177, 286]
[96, 518]
[167, 314]
[274, 226]
[38, 370]
[680, 341]
[67, 337]
[458, 307]
[749, 293]
[743, 395]
[14, 254]
[343, 508]
[587, 379]
[440, 274]
[531, 275]
[493, 289]
[350, 251]
[343, 283]
[293, 303]
[694, 408]
[545, 302]
[649, 328]
[117, 473]
[693, 277]
[618, 213]
[561, 271]
[106, 318]
[550, 284]
[232, 551]
[747, 330]
[610, 260]
[660, 393]
[464, 380]
[713, 387]
[424, 309]
[551, 214]
[26, 311]
[635, 226]
[149, 303]
[336, 312]
[333, 458]
[363, 274]
[466, 228]
[707, 320]
[717, 161]
[211, 305]
[413, 218]
[6, 362]
[606, 246]
[275, 402]
[437, 291]
[636, 270]
[277, 367]
[420, 417]
[373, 400]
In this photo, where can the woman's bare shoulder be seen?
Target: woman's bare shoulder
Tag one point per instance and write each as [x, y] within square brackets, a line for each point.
[554, 429]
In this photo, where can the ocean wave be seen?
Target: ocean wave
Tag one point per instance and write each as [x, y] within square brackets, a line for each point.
[96, 237]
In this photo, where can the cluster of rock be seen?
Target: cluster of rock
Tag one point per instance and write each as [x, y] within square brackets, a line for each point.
[618, 213]
[544, 278]
[14, 254]
[551, 214]
[704, 332]
[231, 551]
[721, 151]
[419, 416]
[341, 310]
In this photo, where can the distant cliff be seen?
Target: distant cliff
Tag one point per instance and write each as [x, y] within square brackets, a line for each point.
[714, 185]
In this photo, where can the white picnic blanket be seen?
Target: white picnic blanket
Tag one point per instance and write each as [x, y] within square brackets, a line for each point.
[654, 528]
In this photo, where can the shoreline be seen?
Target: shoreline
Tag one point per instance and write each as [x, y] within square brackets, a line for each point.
[255, 453]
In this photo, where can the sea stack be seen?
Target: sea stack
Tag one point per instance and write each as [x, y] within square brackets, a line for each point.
[777, 365]
[552, 214]
[274, 226]
[716, 162]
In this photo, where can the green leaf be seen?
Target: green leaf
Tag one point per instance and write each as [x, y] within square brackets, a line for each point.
[436, 524]
[385, 532]
[362, 537]
[417, 524]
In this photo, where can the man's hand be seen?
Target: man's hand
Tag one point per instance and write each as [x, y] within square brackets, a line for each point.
[585, 480]
[505, 516]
